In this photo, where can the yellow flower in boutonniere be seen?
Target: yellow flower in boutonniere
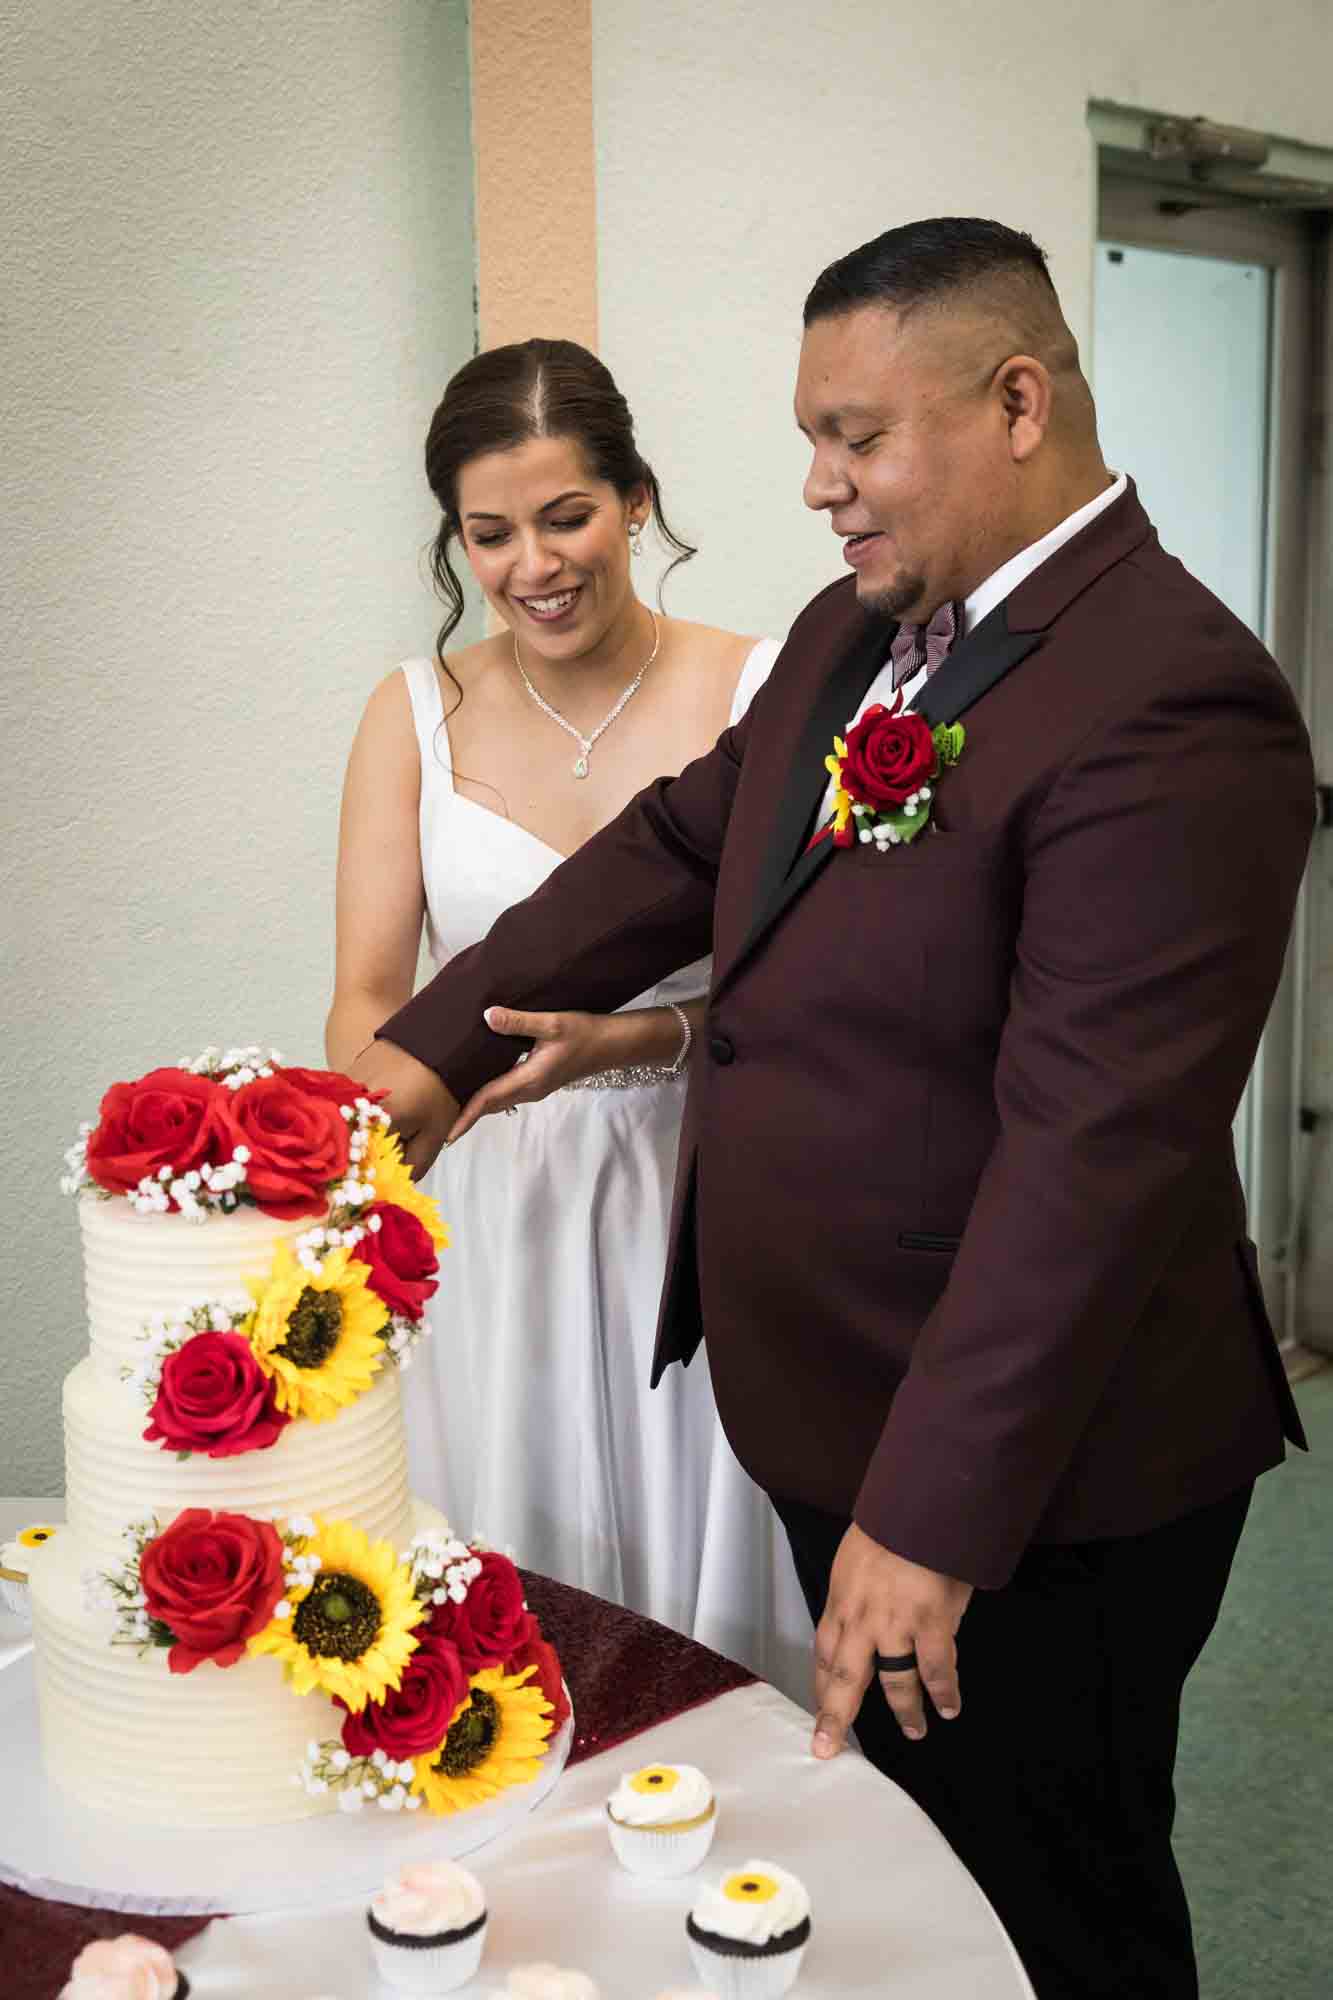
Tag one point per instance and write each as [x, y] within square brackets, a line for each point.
[842, 803]
[388, 1172]
[317, 1332]
[346, 1623]
[496, 1741]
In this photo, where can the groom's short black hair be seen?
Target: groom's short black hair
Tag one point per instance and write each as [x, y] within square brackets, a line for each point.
[923, 263]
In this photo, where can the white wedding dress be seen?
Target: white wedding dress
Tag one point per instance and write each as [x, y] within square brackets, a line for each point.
[529, 1416]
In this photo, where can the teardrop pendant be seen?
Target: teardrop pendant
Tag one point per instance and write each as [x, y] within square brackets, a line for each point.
[581, 767]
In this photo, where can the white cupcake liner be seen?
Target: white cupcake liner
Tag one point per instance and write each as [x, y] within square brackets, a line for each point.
[429, 1968]
[739, 1976]
[16, 1599]
[659, 1852]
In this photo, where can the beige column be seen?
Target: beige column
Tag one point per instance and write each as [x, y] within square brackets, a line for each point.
[536, 189]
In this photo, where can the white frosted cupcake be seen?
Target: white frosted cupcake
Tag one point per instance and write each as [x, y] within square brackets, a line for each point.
[748, 1932]
[15, 1561]
[550, 1982]
[662, 1819]
[128, 1967]
[428, 1927]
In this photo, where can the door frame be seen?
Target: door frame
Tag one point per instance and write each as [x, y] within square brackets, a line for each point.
[1142, 210]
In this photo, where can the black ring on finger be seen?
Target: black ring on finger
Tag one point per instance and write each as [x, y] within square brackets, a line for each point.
[895, 1663]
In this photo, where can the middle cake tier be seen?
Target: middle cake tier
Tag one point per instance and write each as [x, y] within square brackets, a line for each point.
[353, 1467]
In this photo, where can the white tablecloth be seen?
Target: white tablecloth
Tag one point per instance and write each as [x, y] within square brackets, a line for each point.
[894, 1912]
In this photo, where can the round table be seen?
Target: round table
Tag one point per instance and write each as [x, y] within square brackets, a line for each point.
[894, 1910]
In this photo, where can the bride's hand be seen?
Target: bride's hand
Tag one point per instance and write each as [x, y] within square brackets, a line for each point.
[565, 1047]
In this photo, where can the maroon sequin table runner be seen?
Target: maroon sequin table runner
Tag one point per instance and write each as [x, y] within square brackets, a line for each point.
[625, 1674]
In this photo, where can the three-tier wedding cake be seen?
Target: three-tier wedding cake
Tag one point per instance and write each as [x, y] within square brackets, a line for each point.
[246, 1617]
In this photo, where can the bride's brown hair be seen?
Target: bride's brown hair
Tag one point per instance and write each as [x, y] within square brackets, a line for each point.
[510, 395]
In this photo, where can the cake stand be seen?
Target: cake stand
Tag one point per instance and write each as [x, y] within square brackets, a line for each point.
[53, 1847]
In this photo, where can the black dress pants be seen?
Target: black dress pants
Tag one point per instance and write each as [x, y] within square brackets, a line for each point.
[1054, 1784]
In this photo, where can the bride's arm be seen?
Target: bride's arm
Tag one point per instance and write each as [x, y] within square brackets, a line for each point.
[567, 1047]
[380, 896]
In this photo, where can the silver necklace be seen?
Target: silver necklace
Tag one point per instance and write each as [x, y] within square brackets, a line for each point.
[585, 743]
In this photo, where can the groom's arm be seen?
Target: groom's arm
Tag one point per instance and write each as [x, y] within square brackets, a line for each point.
[632, 905]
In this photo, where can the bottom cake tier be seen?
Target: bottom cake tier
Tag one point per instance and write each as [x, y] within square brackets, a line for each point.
[121, 1732]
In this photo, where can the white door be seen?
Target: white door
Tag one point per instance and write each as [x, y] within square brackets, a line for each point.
[1199, 324]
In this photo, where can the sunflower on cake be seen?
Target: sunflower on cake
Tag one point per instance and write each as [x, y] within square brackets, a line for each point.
[247, 1617]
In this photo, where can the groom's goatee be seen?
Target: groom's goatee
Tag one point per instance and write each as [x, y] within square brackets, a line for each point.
[896, 597]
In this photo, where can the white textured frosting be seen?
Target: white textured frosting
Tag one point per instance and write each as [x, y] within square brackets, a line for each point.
[690, 1796]
[216, 1747]
[138, 1268]
[128, 1967]
[550, 1982]
[352, 1467]
[429, 1897]
[685, 1993]
[752, 1922]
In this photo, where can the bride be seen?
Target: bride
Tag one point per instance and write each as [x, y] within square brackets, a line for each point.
[473, 774]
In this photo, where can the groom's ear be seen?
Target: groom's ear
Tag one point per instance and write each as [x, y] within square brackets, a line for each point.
[1023, 386]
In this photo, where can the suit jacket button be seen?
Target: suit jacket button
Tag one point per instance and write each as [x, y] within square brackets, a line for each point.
[721, 1050]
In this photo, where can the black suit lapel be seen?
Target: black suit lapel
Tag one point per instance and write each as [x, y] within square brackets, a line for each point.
[806, 780]
[988, 653]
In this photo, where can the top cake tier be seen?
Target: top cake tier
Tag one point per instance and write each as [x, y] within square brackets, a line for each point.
[143, 1267]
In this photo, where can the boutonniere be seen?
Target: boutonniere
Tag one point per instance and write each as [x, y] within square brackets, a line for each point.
[885, 776]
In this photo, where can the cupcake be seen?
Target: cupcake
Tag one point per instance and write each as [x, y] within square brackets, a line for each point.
[662, 1820]
[128, 1967]
[15, 1558]
[549, 1982]
[428, 1927]
[748, 1934]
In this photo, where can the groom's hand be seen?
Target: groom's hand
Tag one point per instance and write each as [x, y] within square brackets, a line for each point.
[881, 1603]
[421, 1109]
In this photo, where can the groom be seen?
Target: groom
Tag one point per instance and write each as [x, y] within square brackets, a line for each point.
[957, 1208]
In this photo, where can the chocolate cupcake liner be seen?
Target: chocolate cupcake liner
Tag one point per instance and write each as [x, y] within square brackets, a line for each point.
[738, 1970]
[426, 1964]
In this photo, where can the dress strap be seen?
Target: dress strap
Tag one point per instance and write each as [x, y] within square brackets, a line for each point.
[423, 689]
[758, 666]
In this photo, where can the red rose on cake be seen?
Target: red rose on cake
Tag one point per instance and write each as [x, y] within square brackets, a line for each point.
[329, 1083]
[297, 1144]
[889, 756]
[491, 1622]
[212, 1580]
[169, 1118]
[537, 1651]
[416, 1716]
[213, 1397]
[400, 1257]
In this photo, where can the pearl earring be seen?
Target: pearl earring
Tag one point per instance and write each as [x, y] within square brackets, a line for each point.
[636, 539]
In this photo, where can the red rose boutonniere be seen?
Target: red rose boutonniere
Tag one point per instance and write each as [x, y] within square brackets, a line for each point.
[885, 776]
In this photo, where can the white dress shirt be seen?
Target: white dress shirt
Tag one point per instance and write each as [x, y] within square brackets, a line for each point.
[981, 601]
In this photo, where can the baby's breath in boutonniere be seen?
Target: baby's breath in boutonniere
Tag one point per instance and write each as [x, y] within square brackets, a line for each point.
[885, 775]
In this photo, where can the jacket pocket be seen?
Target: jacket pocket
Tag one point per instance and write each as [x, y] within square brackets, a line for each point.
[923, 1239]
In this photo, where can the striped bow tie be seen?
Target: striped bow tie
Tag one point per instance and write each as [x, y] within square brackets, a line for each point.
[917, 646]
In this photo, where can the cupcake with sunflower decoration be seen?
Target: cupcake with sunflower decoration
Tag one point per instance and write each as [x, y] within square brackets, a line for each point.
[346, 1624]
[15, 1561]
[661, 1820]
[748, 1932]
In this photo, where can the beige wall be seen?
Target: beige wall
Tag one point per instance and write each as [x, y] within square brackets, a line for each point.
[239, 267]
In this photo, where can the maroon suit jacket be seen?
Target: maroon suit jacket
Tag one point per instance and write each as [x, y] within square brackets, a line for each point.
[957, 1205]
